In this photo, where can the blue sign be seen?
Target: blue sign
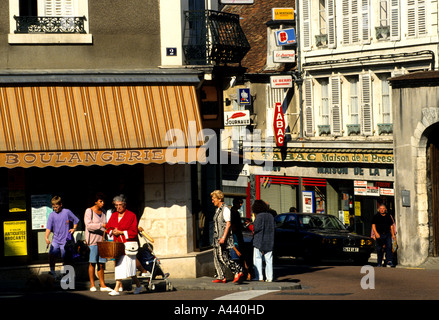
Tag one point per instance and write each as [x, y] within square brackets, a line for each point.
[285, 37]
[171, 51]
[244, 96]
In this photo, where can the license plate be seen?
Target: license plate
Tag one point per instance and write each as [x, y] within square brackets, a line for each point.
[351, 249]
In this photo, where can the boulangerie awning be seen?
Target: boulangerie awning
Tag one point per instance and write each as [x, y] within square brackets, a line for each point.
[59, 125]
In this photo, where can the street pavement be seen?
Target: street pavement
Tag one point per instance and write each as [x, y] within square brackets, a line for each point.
[295, 280]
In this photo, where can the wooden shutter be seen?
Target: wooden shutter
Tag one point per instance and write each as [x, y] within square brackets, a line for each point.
[336, 123]
[354, 22]
[366, 104]
[365, 21]
[394, 20]
[331, 30]
[416, 18]
[309, 122]
[59, 8]
[346, 22]
[306, 25]
[422, 17]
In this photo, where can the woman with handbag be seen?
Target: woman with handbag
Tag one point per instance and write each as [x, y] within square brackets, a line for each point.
[95, 223]
[223, 241]
[123, 227]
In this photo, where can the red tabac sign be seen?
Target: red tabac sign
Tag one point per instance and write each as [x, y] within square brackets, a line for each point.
[279, 124]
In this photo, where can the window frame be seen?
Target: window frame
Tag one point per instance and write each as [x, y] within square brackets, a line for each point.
[49, 38]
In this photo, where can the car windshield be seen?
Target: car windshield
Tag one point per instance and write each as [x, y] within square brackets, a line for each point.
[320, 221]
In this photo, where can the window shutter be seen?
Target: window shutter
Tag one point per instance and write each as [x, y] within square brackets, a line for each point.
[59, 8]
[331, 30]
[306, 26]
[394, 20]
[355, 22]
[336, 123]
[365, 21]
[309, 127]
[346, 21]
[422, 17]
[416, 18]
[366, 104]
[411, 18]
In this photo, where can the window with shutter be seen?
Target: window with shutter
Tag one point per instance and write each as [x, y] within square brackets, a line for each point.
[306, 25]
[366, 104]
[332, 39]
[336, 121]
[416, 18]
[365, 21]
[356, 21]
[394, 20]
[309, 123]
[59, 8]
[68, 22]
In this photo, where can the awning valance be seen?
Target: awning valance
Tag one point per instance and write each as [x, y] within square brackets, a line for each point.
[86, 125]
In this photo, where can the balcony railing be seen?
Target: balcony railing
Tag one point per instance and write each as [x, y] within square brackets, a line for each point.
[213, 37]
[27, 24]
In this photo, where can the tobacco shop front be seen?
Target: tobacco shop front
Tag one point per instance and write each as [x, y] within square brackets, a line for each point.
[97, 134]
[347, 183]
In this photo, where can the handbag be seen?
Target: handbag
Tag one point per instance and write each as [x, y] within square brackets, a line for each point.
[131, 248]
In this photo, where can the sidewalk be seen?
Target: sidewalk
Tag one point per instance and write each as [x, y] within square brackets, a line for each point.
[202, 283]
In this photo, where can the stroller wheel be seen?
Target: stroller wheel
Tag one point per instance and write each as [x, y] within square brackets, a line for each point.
[170, 287]
[152, 287]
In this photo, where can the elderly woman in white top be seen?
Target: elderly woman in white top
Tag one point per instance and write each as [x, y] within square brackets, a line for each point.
[223, 241]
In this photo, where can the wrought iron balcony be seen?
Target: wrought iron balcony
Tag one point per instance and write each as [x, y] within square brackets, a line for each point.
[213, 37]
[28, 24]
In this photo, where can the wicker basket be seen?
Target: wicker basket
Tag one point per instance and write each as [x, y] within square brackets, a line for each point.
[111, 249]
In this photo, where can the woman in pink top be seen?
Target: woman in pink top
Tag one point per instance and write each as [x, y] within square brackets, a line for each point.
[95, 224]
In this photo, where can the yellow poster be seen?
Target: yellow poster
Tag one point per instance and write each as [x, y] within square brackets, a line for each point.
[15, 238]
[358, 208]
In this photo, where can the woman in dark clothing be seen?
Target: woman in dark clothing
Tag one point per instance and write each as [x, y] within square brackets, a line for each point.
[263, 240]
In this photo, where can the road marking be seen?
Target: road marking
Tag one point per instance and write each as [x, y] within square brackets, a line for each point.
[245, 295]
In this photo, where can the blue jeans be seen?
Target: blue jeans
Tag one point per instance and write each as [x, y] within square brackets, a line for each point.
[258, 257]
[384, 240]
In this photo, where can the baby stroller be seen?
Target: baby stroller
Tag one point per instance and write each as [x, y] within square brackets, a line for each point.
[151, 264]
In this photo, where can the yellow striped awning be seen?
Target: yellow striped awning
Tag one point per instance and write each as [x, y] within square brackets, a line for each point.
[87, 125]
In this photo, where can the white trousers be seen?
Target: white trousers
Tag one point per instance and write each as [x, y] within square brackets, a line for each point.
[258, 257]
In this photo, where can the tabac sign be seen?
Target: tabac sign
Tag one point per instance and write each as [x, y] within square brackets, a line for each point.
[279, 124]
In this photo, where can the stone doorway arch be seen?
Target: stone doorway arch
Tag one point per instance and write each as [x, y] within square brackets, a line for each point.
[432, 167]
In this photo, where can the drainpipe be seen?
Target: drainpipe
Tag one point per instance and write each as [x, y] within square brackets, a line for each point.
[298, 74]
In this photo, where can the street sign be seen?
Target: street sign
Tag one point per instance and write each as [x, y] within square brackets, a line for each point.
[244, 96]
[285, 37]
[284, 56]
[237, 118]
[277, 82]
[171, 51]
[282, 13]
[279, 124]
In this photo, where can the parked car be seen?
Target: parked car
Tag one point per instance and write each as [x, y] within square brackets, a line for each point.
[319, 236]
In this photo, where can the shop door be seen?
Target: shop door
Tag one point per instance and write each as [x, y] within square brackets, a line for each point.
[434, 176]
[280, 197]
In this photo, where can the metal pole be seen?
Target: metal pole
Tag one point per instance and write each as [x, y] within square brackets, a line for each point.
[298, 76]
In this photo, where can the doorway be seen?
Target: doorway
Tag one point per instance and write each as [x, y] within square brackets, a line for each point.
[433, 174]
